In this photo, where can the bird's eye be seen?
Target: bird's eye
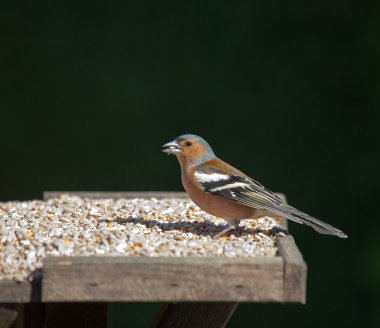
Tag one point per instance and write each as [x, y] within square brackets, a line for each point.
[189, 143]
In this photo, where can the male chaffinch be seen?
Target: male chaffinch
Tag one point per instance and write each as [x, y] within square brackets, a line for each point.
[221, 190]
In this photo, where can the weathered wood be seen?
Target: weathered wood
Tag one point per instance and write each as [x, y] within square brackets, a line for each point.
[8, 315]
[200, 315]
[76, 315]
[117, 194]
[15, 292]
[162, 279]
[295, 270]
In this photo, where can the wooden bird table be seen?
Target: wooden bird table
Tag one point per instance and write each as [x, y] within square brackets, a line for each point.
[197, 291]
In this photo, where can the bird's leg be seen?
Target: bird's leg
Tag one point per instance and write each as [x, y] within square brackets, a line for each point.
[219, 234]
[232, 224]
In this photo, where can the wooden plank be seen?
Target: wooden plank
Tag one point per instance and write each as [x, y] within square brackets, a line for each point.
[295, 270]
[15, 292]
[107, 279]
[76, 315]
[117, 194]
[200, 315]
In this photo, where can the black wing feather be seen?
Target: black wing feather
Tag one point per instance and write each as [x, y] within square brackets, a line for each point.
[251, 193]
[248, 192]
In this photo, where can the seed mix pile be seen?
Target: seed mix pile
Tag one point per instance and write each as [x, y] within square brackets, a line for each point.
[73, 226]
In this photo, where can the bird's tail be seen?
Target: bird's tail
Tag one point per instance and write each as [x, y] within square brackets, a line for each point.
[317, 225]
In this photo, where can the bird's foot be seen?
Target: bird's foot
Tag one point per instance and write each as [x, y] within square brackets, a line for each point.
[224, 231]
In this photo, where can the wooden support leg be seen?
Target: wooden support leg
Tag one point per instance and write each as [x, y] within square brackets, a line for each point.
[25, 315]
[76, 315]
[8, 315]
[200, 315]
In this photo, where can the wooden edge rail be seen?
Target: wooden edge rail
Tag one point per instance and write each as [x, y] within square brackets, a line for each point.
[162, 279]
[295, 270]
[12, 291]
[117, 194]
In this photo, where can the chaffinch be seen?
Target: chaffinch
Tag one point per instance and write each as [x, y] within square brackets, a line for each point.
[221, 190]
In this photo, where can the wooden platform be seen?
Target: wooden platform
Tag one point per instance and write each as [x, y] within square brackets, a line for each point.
[141, 279]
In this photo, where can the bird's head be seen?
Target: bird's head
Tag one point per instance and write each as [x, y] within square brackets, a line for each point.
[191, 148]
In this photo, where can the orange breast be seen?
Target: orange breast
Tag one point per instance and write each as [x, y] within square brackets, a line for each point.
[215, 205]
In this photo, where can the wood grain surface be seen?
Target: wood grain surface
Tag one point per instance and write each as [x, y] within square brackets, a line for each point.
[295, 270]
[15, 292]
[162, 279]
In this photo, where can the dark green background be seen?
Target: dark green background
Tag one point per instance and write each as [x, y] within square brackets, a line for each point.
[288, 91]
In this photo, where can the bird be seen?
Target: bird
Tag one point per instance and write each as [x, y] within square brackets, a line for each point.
[226, 192]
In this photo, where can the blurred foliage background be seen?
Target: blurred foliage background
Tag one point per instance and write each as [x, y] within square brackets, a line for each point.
[288, 91]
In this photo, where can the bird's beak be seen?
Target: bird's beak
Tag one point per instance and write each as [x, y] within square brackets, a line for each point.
[171, 148]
